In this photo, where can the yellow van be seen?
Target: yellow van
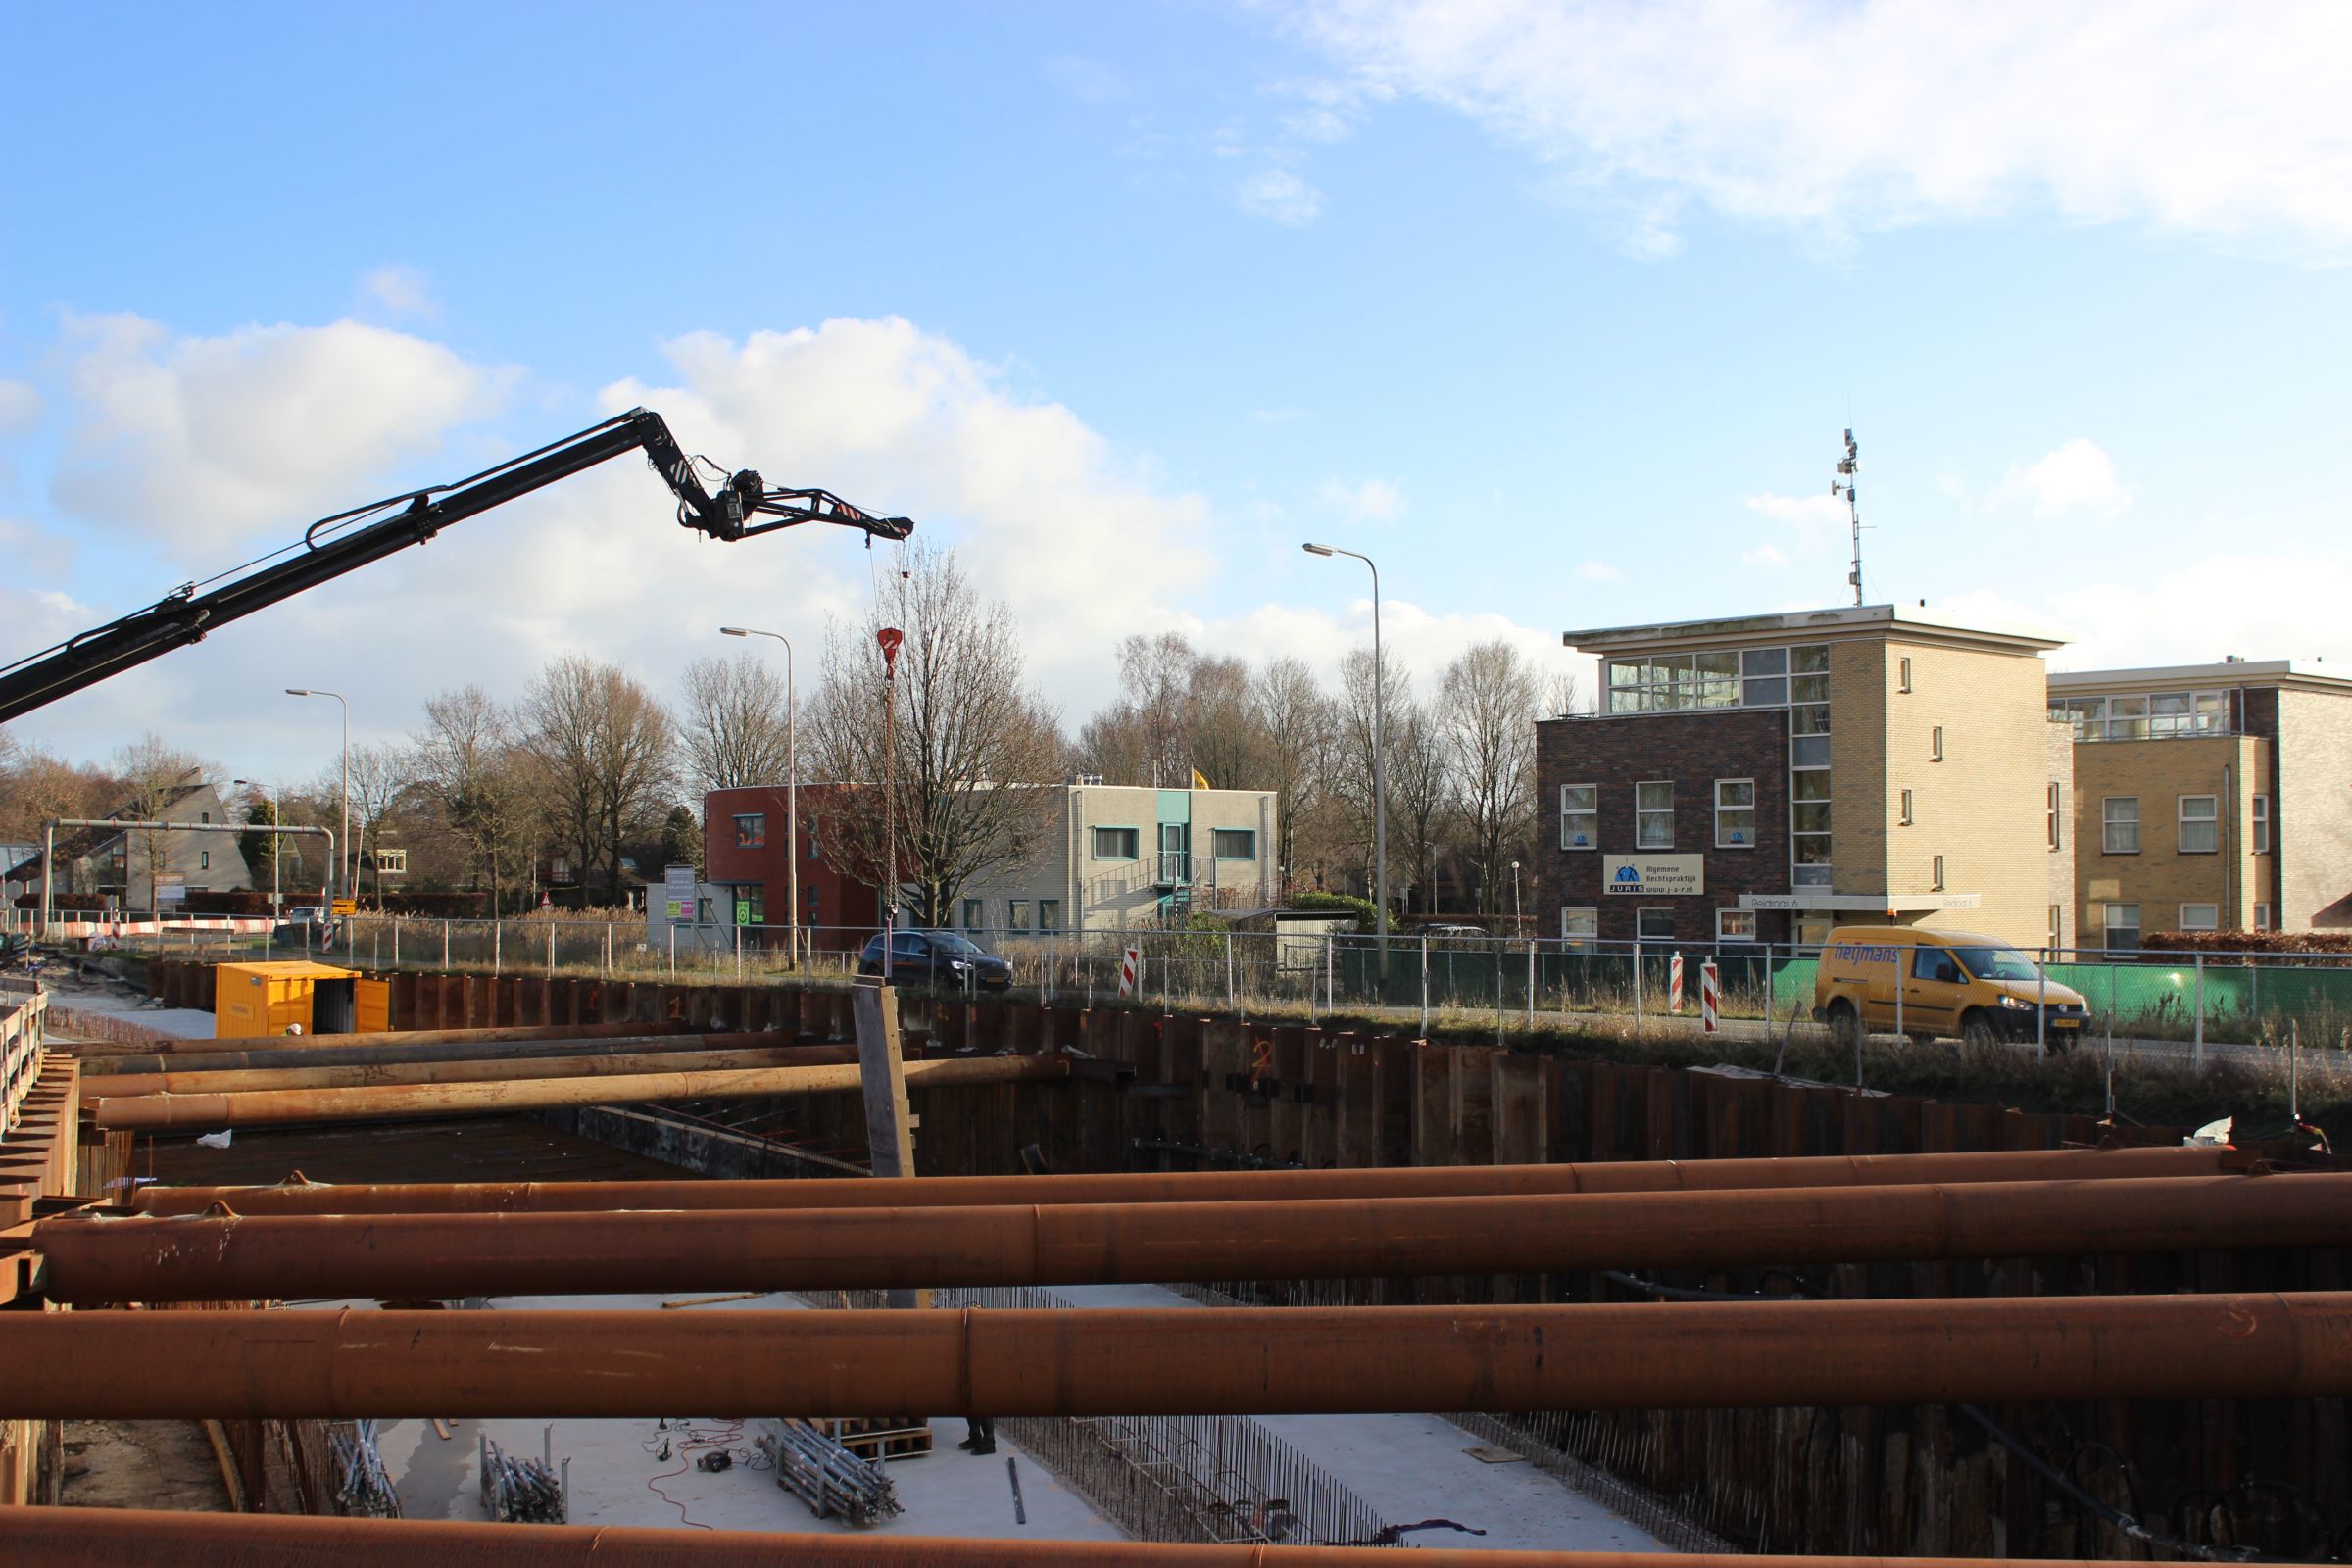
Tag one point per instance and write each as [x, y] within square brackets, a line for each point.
[1949, 983]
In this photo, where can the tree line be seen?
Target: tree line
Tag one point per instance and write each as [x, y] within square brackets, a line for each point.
[590, 766]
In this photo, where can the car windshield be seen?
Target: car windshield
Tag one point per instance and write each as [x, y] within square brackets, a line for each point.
[1998, 963]
[949, 943]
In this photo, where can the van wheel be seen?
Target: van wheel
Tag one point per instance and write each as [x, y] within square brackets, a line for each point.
[1922, 1038]
[1846, 1025]
[1978, 1030]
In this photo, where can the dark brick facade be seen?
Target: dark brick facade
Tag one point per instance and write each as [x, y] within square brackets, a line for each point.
[1693, 751]
[842, 910]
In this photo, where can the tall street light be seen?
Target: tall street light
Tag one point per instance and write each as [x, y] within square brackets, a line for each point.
[343, 845]
[1380, 748]
[792, 786]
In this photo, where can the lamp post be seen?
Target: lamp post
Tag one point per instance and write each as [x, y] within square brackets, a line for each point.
[276, 843]
[1380, 746]
[792, 787]
[343, 851]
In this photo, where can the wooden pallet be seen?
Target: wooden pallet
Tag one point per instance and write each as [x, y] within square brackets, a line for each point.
[878, 1437]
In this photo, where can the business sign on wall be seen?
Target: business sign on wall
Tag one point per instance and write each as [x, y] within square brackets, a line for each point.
[1656, 875]
[678, 892]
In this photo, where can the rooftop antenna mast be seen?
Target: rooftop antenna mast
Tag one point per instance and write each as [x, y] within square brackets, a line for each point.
[1843, 486]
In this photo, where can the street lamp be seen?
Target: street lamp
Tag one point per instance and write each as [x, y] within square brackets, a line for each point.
[1380, 746]
[1515, 916]
[278, 842]
[343, 844]
[792, 787]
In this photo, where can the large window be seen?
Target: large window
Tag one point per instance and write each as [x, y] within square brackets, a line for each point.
[1234, 843]
[2262, 824]
[2200, 917]
[1653, 925]
[1751, 678]
[1653, 815]
[1048, 915]
[1734, 925]
[2123, 926]
[751, 830]
[1580, 929]
[2146, 717]
[1017, 914]
[2201, 825]
[974, 914]
[2119, 827]
[1735, 812]
[1117, 842]
[1580, 816]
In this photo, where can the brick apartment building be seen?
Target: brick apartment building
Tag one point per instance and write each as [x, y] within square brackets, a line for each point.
[2210, 797]
[747, 851]
[1763, 778]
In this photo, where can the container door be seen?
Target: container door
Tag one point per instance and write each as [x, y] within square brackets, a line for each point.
[373, 1006]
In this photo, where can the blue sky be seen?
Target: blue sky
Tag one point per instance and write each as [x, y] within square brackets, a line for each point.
[1556, 311]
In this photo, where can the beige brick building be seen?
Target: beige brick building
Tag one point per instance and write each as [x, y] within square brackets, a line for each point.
[1116, 857]
[2209, 797]
[1875, 764]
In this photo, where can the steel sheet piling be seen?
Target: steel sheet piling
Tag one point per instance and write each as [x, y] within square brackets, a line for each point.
[200, 1257]
[347, 1364]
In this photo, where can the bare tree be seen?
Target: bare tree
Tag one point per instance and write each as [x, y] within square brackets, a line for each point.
[381, 779]
[470, 759]
[1491, 699]
[1420, 794]
[970, 733]
[153, 774]
[35, 786]
[732, 725]
[1155, 674]
[1354, 728]
[1297, 724]
[606, 750]
[1223, 740]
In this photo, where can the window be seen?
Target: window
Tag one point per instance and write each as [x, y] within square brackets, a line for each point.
[204, 817]
[1653, 925]
[1117, 842]
[2201, 825]
[1016, 914]
[2120, 827]
[1935, 744]
[1234, 843]
[816, 844]
[1936, 876]
[1750, 677]
[1653, 815]
[204, 859]
[975, 914]
[1579, 928]
[1904, 819]
[1903, 674]
[2262, 918]
[1734, 925]
[1809, 827]
[2123, 926]
[1580, 816]
[1048, 915]
[2200, 917]
[1764, 677]
[394, 862]
[2262, 824]
[2164, 716]
[751, 830]
[2057, 926]
[2050, 813]
[1735, 812]
[1931, 962]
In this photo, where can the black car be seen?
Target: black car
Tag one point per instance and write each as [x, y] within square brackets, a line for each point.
[940, 958]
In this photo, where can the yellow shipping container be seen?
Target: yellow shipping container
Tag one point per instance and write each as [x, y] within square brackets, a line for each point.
[251, 1000]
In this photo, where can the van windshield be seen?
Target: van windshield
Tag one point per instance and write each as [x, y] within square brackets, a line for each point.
[1998, 963]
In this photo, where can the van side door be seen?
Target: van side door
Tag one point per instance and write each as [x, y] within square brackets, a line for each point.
[1932, 991]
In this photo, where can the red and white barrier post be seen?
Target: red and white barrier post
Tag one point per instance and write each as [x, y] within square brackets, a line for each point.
[1710, 998]
[1674, 983]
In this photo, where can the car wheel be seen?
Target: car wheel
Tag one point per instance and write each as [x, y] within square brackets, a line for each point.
[1920, 1036]
[1846, 1025]
[1978, 1030]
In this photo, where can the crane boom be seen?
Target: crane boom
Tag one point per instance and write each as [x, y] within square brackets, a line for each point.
[738, 507]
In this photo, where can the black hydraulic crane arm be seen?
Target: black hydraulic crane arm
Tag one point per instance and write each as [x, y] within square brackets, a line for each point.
[736, 507]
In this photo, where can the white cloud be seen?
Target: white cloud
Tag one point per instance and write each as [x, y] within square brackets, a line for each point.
[1282, 196]
[2077, 477]
[1599, 571]
[201, 440]
[1368, 501]
[2212, 119]
[31, 551]
[1765, 555]
[402, 290]
[20, 407]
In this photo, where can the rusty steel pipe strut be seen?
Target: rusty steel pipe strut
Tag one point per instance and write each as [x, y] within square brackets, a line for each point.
[1221, 1186]
[641, 1038]
[510, 1069]
[149, 1538]
[199, 1048]
[395, 1101]
[89, 1259]
[346, 1363]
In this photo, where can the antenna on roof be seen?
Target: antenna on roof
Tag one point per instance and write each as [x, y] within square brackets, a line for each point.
[1843, 486]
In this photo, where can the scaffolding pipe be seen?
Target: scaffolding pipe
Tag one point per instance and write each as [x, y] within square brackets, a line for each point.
[1227, 1186]
[394, 1102]
[221, 1257]
[328, 1050]
[135, 1537]
[344, 1363]
[592, 1063]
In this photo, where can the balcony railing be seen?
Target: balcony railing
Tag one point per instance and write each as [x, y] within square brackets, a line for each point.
[1175, 868]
